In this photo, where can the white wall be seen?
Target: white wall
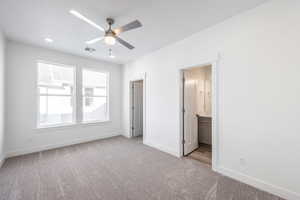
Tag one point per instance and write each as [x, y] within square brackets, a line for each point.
[21, 75]
[258, 95]
[2, 56]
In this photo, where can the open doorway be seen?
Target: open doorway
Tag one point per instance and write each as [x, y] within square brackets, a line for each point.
[137, 99]
[197, 113]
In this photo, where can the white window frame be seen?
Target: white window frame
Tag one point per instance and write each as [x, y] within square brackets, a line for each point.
[77, 96]
[82, 96]
[73, 96]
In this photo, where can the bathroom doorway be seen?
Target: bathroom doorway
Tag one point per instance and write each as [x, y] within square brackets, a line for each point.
[197, 113]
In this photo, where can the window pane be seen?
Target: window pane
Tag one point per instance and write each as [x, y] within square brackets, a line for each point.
[60, 90]
[94, 84]
[55, 80]
[55, 76]
[88, 91]
[95, 109]
[55, 110]
[100, 91]
[92, 79]
[42, 90]
[94, 91]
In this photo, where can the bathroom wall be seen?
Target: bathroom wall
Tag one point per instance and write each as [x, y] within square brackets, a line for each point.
[202, 79]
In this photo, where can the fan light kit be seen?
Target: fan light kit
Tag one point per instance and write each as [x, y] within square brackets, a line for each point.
[109, 40]
[111, 36]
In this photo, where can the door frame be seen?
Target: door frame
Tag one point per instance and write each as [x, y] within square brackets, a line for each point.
[140, 78]
[214, 98]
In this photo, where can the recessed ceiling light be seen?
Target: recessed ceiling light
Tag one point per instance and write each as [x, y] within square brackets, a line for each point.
[48, 40]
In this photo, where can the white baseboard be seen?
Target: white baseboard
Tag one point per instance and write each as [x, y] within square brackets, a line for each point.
[58, 145]
[279, 191]
[126, 135]
[162, 148]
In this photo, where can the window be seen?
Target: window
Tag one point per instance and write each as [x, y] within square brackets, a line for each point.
[57, 99]
[94, 96]
[56, 95]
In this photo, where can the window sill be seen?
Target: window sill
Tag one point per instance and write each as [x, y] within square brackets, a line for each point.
[56, 126]
[93, 122]
[70, 125]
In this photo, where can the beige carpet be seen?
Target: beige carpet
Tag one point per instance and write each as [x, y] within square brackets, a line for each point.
[116, 169]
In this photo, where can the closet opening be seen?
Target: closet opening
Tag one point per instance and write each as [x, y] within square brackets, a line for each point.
[137, 109]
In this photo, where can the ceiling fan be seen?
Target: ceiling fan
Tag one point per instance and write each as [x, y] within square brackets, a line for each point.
[110, 35]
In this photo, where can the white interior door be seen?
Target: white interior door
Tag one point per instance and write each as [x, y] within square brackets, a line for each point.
[190, 118]
[137, 108]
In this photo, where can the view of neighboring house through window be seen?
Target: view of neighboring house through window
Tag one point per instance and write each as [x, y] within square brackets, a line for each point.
[95, 96]
[56, 94]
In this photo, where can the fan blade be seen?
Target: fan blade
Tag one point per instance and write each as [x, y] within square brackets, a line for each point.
[83, 18]
[132, 25]
[123, 42]
[94, 40]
